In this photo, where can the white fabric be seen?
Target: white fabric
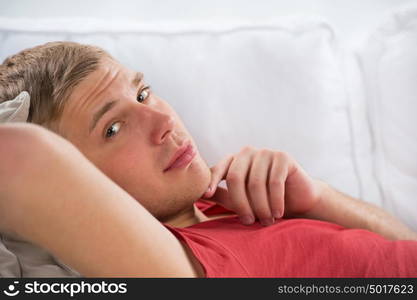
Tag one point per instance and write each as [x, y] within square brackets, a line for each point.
[278, 85]
[361, 133]
[15, 110]
[284, 85]
[389, 62]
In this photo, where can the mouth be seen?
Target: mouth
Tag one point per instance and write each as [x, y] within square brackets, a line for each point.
[182, 157]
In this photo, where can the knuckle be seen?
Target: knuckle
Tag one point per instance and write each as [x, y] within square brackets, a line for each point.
[280, 155]
[284, 154]
[229, 157]
[275, 181]
[247, 149]
[225, 159]
[264, 151]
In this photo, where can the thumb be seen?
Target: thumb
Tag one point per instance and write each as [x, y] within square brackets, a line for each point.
[218, 173]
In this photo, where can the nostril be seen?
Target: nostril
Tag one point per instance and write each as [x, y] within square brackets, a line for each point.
[164, 126]
[165, 135]
[169, 126]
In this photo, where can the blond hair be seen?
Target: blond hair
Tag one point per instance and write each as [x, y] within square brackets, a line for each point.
[49, 73]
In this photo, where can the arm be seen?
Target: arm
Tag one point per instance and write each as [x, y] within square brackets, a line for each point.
[56, 198]
[270, 184]
[336, 207]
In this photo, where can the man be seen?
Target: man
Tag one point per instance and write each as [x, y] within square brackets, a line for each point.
[137, 140]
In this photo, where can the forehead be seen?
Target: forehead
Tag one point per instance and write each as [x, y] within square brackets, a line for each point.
[110, 77]
[111, 80]
[108, 72]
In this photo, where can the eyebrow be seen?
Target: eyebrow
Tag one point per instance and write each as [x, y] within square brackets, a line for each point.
[136, 81]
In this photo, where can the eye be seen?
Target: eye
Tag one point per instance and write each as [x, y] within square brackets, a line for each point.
[113, 130]
[143, 94]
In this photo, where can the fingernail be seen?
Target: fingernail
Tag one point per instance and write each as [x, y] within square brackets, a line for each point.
[207, 192]
[247, 220]
[277, 215]
[268, 221]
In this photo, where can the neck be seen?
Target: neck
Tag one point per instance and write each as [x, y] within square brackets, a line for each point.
[187, 218]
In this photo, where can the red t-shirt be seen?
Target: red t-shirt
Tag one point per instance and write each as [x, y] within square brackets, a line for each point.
[293, 248]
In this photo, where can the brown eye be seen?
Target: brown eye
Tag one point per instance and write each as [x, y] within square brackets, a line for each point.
[143, 94]
[113, 130]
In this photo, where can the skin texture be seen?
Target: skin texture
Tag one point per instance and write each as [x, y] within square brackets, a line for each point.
[134, 142]
[74, 211]
[67, 190]
[263, 184]
[145, 135]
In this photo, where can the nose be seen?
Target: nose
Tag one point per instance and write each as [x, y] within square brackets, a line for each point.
[161, 124]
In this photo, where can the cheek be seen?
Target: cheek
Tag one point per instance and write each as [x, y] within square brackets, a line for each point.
[137, 166]
[128, 166]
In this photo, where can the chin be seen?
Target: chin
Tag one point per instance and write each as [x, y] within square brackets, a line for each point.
[201, 177]
[183, 196]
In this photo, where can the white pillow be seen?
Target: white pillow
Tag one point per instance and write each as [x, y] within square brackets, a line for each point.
[389, 61]
[277, 85]
[15, 110]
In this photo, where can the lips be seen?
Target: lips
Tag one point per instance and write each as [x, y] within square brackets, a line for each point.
[182, 157]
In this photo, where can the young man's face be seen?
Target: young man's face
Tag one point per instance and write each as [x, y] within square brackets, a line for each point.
[133, 136]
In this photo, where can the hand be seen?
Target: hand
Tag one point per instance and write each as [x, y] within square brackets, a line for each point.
[263, 184]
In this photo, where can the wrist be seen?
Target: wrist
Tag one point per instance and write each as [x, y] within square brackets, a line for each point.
[322, 190]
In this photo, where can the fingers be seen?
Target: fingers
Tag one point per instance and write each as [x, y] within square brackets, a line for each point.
[218, 173]
[256, 184]
[276, 184]
[236, 184]
[257, 187]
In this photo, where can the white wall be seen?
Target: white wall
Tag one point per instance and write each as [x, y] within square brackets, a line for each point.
[351, 18]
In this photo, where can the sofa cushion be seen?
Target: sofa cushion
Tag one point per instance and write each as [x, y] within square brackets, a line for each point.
[389, 64]
[277, 85]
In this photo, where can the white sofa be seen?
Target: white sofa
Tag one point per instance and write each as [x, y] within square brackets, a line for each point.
[348, 116]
